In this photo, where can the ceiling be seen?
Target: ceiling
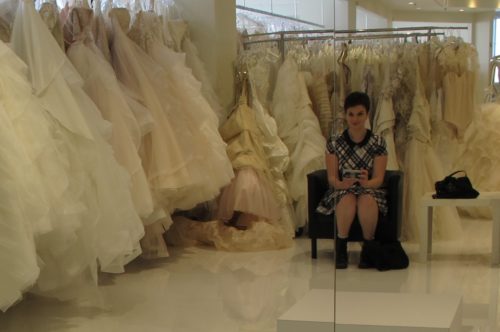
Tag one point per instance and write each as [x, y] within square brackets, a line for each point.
[443, 5]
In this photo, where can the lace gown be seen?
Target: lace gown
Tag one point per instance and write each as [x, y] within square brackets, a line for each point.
[422, 169]
[91, 231]
[458, 63]
[385, 120]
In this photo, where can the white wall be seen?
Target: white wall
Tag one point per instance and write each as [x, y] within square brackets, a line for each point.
[482, 36]
[212, 26]
[341, 14]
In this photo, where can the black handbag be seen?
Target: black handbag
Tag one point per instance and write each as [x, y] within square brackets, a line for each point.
[455, 187]
[385, 256]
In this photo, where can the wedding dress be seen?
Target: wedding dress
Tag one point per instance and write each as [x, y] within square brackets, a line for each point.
[299, 129]
[94, 232]
[458, 63]
[385, 120]
[50, 15]
[422, 169]
[176, 35]
[181, 86]
[252, 198]
[101, 85]
[480, 155]
[174, 152]
[25, 148]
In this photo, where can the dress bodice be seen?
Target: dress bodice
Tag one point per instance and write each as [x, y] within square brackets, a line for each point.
[50, 16]
[79, 25]
[146, 29]
[178, 30]
[122, 16]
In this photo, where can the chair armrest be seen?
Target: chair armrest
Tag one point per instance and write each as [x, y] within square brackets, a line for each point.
[317, 185]
[393, 182]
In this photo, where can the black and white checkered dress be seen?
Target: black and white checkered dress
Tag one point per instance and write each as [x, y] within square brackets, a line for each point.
[357, 156]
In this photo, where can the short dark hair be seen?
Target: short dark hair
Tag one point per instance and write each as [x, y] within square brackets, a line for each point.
[355, 99]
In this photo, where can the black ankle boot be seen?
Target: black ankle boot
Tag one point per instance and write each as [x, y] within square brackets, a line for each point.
[366, 256]
[341, 253]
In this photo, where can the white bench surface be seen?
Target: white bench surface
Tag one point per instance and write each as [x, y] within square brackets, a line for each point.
[364, 311]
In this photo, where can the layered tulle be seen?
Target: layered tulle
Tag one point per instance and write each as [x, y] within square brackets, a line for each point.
[17, 248]
[101, 85]
[175, 158]
[188, 104]
[88, 230]
[480, 155]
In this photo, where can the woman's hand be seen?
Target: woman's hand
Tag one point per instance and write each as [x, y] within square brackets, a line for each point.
[347, 183]
[363, 178]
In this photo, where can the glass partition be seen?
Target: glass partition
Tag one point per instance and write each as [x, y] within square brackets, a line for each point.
[427, 70]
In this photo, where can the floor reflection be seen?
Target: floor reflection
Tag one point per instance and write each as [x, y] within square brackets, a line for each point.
[201, 289]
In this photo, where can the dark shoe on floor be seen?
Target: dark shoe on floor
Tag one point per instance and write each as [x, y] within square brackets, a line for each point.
[341, 260]
[366, 256]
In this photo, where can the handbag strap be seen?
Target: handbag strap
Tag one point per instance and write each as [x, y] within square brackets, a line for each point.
[454, 173]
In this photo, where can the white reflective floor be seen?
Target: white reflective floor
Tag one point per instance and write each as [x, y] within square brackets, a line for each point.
[200, 289]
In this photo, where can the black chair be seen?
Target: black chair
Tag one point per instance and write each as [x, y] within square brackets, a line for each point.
[322, 226]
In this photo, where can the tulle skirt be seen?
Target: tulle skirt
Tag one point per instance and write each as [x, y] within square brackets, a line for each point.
[249, 193]
[480, 157]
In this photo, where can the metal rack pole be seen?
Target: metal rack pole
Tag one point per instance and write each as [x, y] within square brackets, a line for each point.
[331, 31]
[281, 44]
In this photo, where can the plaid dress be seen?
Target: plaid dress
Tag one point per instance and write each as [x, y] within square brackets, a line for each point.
[356, 156]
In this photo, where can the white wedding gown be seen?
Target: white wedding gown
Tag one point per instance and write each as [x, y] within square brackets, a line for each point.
[480, 156]
[101, 85]
[89, 231]
[299, 129]
[385, 120]
[173, 163]
[24, 148]
[422, 169]
[188, 103]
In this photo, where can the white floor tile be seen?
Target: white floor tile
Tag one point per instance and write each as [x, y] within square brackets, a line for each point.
[201, 289]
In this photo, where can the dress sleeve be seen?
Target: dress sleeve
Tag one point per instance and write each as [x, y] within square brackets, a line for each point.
[381, 147]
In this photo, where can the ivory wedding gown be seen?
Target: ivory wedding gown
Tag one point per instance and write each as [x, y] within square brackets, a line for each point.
[299, 129]
[174, 152]
[422, 170]
[101, 85]
[23, 210]
[188, 103]
[480, 156]
[91, 232]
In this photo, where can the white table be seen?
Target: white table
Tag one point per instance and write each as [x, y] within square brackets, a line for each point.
[427, 203]
[373, 312]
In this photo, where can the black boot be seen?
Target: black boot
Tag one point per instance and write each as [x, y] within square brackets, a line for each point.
[341, 253]
[366, 256]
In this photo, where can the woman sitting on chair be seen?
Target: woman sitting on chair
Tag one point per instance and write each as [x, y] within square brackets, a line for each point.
[355, 162]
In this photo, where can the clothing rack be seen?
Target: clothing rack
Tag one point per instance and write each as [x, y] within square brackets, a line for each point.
[281, 42]
[348, 38]
[333, 31]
